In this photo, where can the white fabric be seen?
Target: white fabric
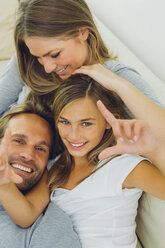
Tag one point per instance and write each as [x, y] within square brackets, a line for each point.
[103, 214]
[7, 21]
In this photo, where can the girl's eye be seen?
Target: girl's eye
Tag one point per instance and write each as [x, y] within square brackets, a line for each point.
[86, 124]
[64, 122]
[55, 55]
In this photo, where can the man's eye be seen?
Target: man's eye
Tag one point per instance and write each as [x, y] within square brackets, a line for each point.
[40, 149]
[86, 124]
[55, 55]
[18, 141]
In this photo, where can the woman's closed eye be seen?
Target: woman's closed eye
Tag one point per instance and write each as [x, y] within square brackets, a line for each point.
[55, 55]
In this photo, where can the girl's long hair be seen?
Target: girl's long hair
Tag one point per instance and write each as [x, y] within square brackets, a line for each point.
[77, 87]
[53, 18]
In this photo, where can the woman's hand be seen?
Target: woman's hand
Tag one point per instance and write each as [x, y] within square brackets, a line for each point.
[133, 136]
[7, 175]
[100, 74]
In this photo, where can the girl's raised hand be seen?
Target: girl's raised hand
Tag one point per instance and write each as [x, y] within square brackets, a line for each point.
[7, 175]
[133, 136]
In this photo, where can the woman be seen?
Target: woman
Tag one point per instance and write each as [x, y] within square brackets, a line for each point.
[100, 197]
[51, 47]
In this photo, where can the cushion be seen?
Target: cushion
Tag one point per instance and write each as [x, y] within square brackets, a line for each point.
[151, 221]
[7, 20]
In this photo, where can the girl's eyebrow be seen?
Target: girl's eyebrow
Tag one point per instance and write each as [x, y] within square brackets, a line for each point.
[86, 119]
[62, 118]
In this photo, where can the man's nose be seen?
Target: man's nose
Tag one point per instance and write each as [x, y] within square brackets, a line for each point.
[48, 65]
[27, 153]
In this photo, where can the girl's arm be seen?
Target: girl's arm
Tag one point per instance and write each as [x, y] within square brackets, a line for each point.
[141, 107]
[148, 178]
[23, 209]
[133, 137]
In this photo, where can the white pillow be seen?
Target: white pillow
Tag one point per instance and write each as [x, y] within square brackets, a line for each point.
[7, 22]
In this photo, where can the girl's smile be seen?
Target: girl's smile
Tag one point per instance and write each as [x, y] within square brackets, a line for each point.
[77, 146]
[81, 127]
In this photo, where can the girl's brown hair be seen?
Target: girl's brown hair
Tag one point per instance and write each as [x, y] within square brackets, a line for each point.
[77, 87]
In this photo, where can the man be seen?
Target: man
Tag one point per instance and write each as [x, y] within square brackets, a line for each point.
[29, 146]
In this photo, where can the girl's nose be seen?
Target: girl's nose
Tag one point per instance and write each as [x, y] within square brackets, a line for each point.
[74, 134]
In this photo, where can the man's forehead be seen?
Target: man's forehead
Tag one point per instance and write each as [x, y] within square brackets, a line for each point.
[19, 120]
[29, 125]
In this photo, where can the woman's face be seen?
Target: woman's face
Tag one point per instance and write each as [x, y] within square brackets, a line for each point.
[60, 55]
[81, 127]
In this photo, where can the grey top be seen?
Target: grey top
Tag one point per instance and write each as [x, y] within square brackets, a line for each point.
[13, 90]
[53, 229]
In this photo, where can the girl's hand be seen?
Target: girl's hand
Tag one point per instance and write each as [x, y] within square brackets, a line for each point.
[7, 175]
[133, 136]
[100, 74]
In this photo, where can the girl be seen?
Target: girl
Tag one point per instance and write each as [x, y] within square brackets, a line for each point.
[100, 197]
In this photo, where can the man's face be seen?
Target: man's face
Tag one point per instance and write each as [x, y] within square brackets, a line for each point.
[29, 147]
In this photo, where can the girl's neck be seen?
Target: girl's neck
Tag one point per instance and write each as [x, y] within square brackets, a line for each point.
[80, 162]
[81, 170]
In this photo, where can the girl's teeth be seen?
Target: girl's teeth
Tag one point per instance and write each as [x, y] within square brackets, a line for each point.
[20, 167]
[77, 145]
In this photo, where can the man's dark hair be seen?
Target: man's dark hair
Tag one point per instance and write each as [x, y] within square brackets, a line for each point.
[30, 107]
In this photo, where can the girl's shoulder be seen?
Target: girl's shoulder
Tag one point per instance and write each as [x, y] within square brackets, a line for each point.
[120, 166]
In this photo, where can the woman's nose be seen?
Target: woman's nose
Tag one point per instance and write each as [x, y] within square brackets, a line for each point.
[49, 65]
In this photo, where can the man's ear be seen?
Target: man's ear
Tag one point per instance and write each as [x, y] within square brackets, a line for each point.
[84, 33]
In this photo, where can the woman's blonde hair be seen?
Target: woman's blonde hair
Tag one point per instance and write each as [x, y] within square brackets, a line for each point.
[77, 87]
[53, 18]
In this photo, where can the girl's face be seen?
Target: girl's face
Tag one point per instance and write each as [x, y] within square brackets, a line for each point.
[60, 55]
[81, 127]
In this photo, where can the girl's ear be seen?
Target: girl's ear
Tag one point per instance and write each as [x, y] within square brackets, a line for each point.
[84, 33]
[108, 126]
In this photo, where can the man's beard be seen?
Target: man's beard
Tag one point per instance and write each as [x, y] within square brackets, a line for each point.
[30, 180]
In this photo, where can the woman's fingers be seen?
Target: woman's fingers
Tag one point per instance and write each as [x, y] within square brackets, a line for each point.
[99, 73]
